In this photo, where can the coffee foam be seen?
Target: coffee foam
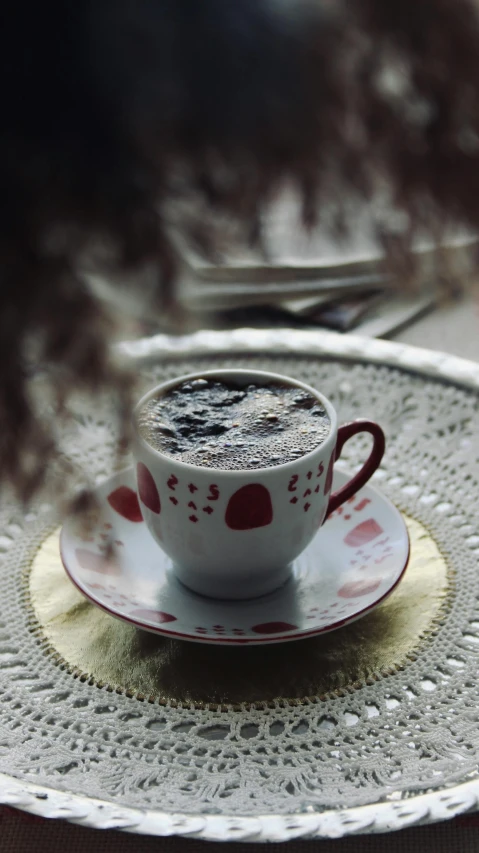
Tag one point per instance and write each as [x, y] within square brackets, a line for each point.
[219, 425]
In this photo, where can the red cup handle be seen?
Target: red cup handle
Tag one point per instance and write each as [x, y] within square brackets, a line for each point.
[372, 462]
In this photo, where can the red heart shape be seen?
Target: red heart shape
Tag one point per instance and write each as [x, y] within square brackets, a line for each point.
[363, 533]
[96, 562]
[154, 616]
[273, 628]
[125, 502]
[147, 488]
[356, 588]
[250, 507]
[329, 475]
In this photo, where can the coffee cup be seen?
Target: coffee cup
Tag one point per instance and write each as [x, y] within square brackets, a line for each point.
[234, 534]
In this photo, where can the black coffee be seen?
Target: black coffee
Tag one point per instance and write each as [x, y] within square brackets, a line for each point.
[219, 425]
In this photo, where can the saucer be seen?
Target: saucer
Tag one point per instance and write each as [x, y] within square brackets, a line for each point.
[355, 561]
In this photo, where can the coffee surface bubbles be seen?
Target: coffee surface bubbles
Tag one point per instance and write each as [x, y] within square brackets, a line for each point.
[220, 425]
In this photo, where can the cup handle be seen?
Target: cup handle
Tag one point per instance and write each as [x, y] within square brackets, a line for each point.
[372, 462]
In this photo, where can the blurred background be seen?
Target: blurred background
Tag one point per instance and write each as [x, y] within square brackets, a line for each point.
[314, 280]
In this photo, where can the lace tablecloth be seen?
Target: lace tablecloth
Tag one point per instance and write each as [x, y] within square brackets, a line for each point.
[373, 768]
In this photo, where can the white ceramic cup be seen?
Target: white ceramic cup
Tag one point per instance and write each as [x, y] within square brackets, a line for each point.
[235, 534]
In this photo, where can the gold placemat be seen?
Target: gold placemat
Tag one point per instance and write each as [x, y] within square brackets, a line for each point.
[105, 651]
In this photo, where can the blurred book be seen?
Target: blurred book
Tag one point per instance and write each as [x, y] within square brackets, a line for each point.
[294, 255]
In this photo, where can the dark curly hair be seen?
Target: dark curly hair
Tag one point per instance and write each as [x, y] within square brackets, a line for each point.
[130, 125]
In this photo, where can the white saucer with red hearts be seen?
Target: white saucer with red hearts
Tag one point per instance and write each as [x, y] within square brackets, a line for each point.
[355, 561]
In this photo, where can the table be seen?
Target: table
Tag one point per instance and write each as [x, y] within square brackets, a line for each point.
[453, 328]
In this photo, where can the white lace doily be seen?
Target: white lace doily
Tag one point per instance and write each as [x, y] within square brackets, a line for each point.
[400, 750]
